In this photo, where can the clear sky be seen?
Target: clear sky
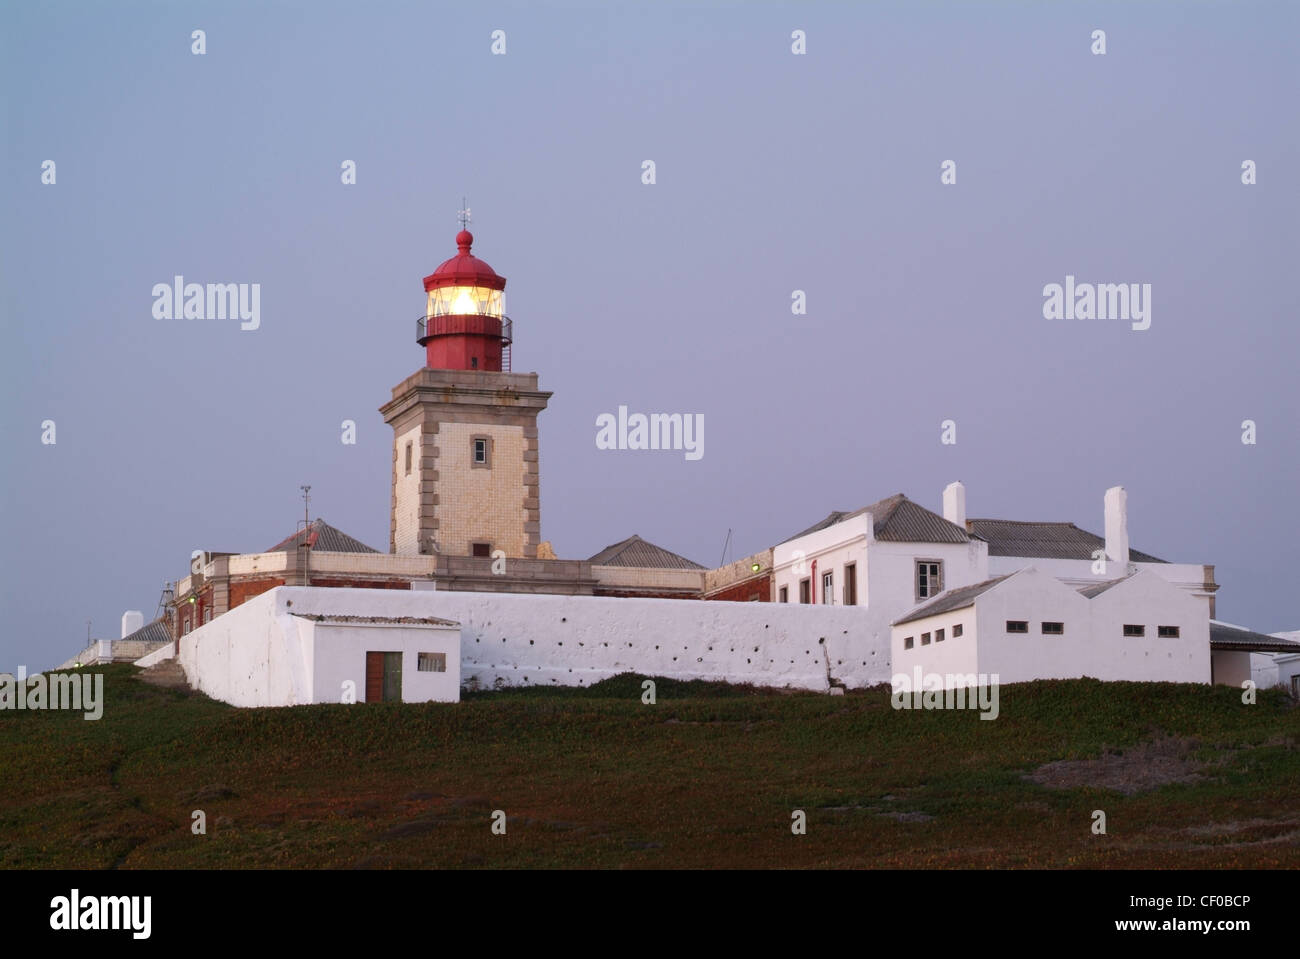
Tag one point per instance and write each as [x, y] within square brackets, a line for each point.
[775, 172]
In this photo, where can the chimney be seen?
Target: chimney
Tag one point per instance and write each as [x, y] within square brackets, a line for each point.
[1117, 528]
[132, 620]
[954, 504]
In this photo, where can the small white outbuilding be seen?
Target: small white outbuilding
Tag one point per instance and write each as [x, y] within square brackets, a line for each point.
[1029, 625]
[295, 645]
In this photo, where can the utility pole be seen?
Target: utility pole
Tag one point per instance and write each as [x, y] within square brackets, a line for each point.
[305, 545]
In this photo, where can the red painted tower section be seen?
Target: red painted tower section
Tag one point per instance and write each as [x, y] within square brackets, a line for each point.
[464, 326]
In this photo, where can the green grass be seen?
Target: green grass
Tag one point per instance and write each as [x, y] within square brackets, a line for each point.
[591, 777]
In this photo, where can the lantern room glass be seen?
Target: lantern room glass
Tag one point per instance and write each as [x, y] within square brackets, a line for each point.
[460, 300]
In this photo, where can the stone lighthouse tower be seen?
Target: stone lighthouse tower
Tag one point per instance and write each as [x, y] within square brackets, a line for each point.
[465, 478]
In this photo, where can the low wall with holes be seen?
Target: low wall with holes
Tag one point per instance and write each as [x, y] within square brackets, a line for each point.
[521, 639]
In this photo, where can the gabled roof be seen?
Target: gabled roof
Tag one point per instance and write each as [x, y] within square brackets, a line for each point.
[1007, 537]
[1096, 589]
[897, 519]
[953, 599]
[155, 632]
[324, 538]
[1228, 636]
[634, 551]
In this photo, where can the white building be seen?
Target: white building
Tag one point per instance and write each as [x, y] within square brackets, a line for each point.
[295, 645]
[1286, 665]
[1030, 625]
[1076, 556]
[884, 558]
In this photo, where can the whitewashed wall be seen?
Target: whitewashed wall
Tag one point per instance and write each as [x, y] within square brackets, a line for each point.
[272, 651]
[1093, 643]
[261, 653]
[520, 639]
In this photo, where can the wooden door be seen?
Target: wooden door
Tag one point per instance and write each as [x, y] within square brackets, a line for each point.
[374, 677]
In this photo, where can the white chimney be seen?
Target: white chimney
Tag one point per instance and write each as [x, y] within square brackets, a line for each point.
[954, 504]
[132, 620]
[1117, 528]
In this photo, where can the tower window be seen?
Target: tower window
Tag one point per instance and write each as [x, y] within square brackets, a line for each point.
[482, 452]
[473, 362]
[408, 458]
[481, 549]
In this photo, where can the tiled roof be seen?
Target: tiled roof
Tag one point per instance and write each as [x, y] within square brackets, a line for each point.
[323, 538]
[1228, 636]
[155, 632]
[634, 551]
[897, 519]
[1008, 537]
[953, 599]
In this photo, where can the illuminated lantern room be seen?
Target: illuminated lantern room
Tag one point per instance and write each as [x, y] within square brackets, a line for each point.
[465, 326]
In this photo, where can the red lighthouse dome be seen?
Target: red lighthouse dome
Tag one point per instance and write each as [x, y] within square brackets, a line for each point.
[465, 326]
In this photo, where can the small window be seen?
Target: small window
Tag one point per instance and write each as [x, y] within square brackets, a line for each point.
[805, 591]
[473, 362]
[851, 584]
[1017, 626]
[929, 578]
[408, 458]
[480, 451]
[481, 549]
[925, 639]
[956, 631]
[481, 456]
[828, 588]
[432, 663]
[1132, 630]
[207, 615]
[908, 643]
[783, 594]
[1053, 629]
[1167, 632]
[938, 635]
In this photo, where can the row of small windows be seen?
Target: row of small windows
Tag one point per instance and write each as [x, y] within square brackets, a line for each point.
[928, 581]
[849, 597]
[1058, 629]
[936, 636]
[1048, 629]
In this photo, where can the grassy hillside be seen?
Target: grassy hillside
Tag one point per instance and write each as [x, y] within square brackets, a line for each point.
[707, 777]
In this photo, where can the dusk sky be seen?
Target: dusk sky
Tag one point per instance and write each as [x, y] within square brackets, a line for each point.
[774, 172]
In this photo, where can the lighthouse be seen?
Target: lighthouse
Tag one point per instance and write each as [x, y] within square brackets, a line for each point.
[464, 326]
[465, 464]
